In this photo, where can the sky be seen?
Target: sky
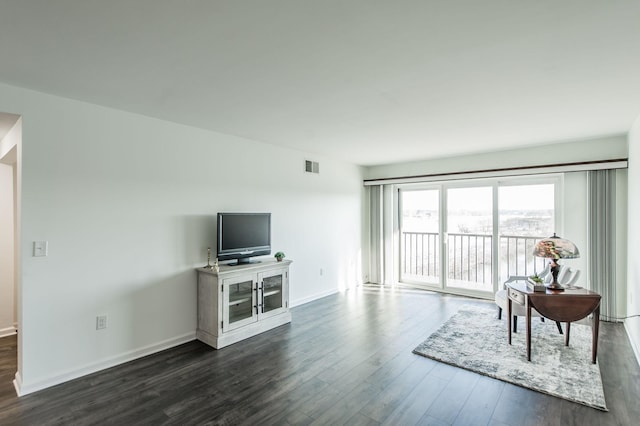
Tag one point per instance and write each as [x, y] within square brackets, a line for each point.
[521, 197]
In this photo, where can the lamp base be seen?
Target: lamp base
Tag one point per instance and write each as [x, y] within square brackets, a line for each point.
[555, 286]
[555, 270]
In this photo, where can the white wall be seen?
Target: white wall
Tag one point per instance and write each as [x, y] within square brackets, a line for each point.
[633, 267]
[127, 204]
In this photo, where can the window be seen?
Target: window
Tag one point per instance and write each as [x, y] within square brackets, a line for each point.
[478, 232]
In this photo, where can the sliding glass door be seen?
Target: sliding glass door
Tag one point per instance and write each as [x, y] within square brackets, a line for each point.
[470, 238]
[527, 214]
[420, 236]
[467, 237]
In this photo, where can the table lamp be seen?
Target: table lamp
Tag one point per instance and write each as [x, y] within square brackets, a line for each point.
[555, 248]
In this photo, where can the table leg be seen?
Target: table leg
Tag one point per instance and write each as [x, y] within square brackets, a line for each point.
[528, 308]
[595, 327]
[566, 335]
[509, 308]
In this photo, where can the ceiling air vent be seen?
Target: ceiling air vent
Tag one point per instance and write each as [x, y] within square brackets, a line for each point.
[311, 166]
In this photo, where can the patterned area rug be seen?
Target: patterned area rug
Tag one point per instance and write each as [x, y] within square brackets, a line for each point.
[476, 340]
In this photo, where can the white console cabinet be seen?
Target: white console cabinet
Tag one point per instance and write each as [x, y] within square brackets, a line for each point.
[241, 301]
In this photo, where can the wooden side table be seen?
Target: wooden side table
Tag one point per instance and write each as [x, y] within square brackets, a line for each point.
[563, 306]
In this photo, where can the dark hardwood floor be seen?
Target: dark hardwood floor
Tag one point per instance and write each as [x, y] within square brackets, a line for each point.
[8, 366]
[345, 359]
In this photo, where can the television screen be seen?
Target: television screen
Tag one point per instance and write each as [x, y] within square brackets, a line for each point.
[243, 235]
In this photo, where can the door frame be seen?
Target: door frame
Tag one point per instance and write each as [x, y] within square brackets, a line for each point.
[556, 178]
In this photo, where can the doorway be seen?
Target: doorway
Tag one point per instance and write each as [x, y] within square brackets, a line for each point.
[10, 144]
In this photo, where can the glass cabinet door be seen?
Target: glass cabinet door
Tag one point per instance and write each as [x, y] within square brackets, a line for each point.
[272, 293]
[239, 303]
[272, 286]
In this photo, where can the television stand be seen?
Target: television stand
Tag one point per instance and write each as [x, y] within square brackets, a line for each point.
[240, 301]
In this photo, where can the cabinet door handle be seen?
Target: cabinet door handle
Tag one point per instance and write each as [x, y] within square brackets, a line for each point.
[256, 305]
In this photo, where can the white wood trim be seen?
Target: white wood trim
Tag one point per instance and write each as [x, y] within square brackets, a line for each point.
[17, 384]
[27, 388]
[311, 298]
[9, 331]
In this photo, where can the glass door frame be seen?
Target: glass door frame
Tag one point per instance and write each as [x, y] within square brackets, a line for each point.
[398, 244]
[439, 286]
[556, 179]
[477, 183]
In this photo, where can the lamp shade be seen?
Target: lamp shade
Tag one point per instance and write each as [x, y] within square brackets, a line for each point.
[556, 248]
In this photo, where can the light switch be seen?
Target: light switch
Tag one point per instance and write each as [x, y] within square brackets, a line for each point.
[40, 248]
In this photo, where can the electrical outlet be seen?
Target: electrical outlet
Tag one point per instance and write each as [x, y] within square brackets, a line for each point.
[101, 322]
[320, 271]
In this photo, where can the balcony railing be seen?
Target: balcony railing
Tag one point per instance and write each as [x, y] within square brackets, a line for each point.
[516, 256]
[421, 254]
[470, 256]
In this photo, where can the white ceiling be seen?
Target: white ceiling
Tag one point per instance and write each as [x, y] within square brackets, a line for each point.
[366, 81]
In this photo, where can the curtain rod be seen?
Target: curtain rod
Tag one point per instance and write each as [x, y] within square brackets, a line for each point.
[619, 163]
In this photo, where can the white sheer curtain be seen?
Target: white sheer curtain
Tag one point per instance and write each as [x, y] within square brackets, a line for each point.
[376, 236]
[602, 239]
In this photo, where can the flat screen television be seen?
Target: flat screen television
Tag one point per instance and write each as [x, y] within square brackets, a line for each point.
[242, 236]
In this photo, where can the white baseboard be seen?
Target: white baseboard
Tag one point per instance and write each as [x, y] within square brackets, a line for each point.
[17, 383]
[27, 388]
[634, 344]
[316, 296]
[9, 331]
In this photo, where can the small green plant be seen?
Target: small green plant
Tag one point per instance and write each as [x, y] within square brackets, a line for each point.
[536, 279]
[279, 256]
